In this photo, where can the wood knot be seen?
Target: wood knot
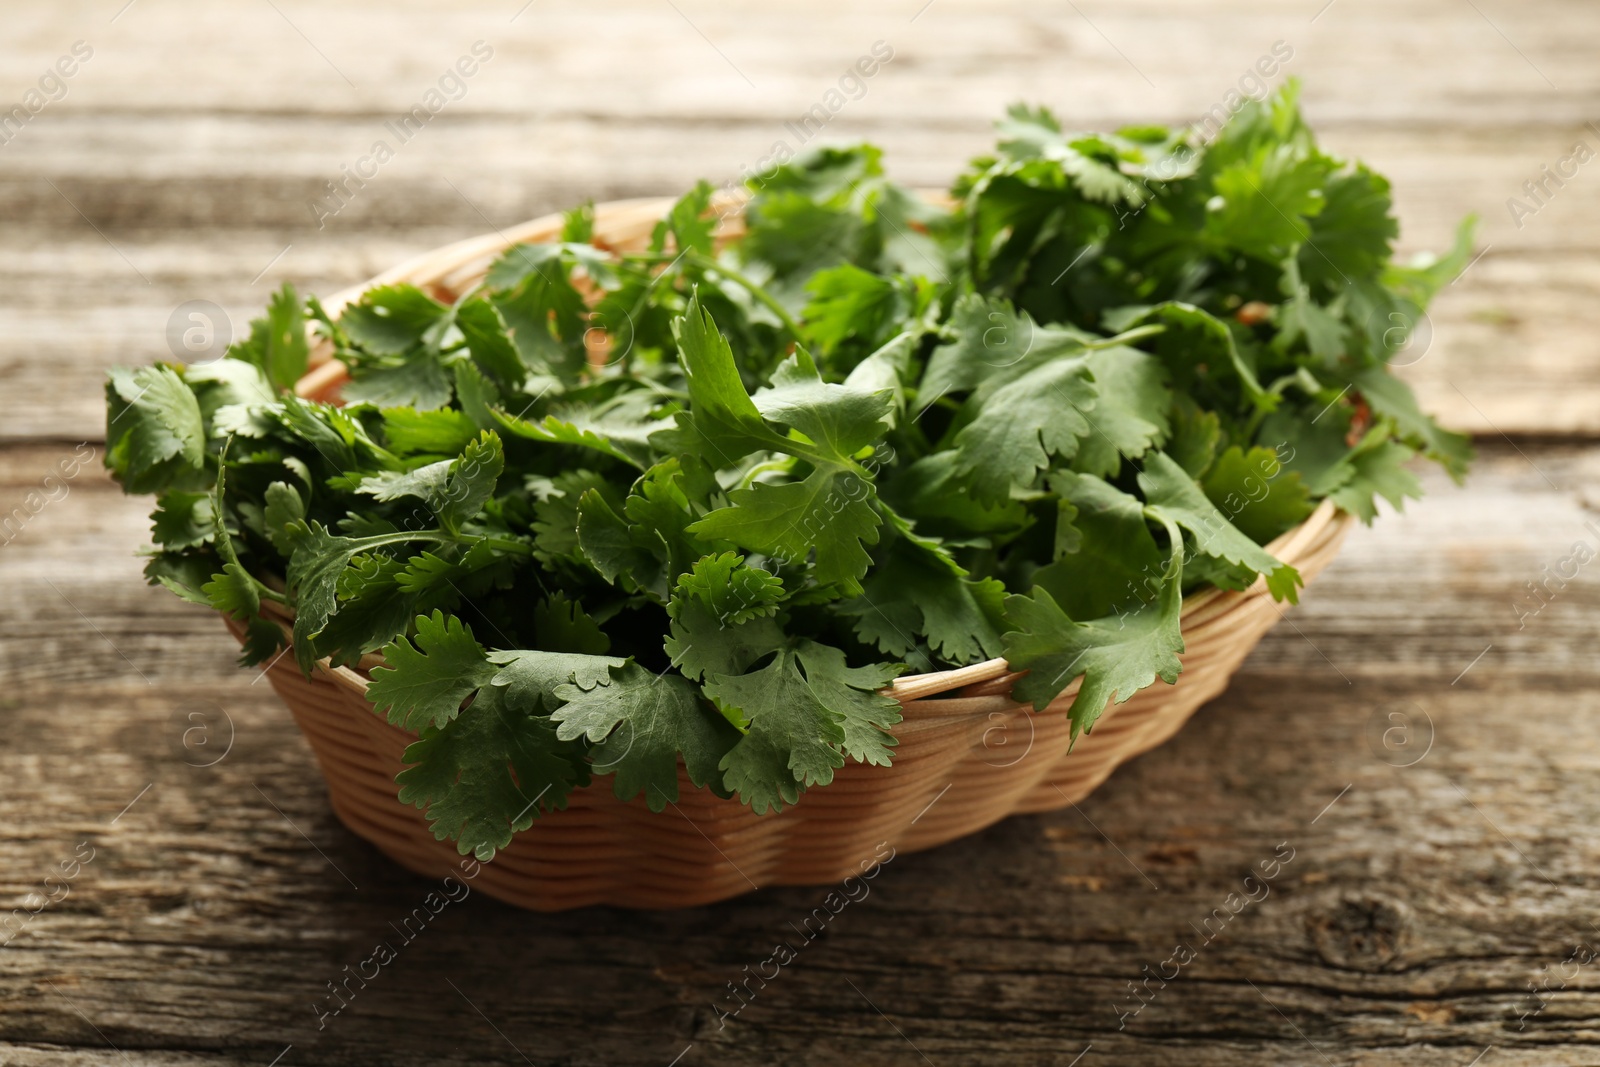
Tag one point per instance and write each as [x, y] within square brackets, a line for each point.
[1362, 933]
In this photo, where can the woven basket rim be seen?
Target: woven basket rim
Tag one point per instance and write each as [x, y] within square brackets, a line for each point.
[325, 374]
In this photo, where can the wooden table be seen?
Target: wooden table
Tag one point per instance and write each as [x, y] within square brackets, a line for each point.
[1427, 752]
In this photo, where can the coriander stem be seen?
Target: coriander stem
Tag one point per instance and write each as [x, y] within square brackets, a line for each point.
[1257, 417]
[764, 298]
[507, 545]
[762, 468]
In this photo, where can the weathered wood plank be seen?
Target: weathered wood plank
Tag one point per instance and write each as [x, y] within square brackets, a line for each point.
[1403, 931]
[1423, 61]
[255, 171]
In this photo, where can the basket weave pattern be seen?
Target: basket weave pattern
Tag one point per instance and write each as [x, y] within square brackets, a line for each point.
[967, 757]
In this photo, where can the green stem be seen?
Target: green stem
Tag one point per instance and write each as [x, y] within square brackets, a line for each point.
[505, 545]
[766, 299]
[761, 468]
[1127, 337]
[1253, 426]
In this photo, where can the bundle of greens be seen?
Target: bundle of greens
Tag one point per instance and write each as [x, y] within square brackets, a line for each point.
[610, 514]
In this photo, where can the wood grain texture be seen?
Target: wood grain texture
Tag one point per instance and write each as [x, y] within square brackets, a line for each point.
[1417, 908]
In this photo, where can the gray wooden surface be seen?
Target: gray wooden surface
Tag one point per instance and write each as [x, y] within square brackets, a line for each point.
[1438, 868]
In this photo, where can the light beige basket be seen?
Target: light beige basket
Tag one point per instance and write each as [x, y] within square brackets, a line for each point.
[968, 755]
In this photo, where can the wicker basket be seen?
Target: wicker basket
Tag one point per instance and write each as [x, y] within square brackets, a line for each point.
[968, 755]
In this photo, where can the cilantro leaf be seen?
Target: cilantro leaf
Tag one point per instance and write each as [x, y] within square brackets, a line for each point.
[1044, 413]
[425, 679]
[1377, 470]
[802, 713]
[1301, 318]
[732, 591]
[373, 609]
[640, 723]
[547, 320]
[575, 248]
[1258, 495]
[1196, 436]
[1116, 656]
[1421, 280]
[440, 432]
[486, 774]
[721, 415]
[611, 545]
[1129, 416]
[688, 222]
[155, 439]
[830, 513]
[319, 560]
[1195, 346]
[722, 616]
[839, 419]
[422, 384]
[182, 520]
[649, 544]
[1089, 161]
[580, 432]
[563, 626]
[991, 341]
[796, 235]
[1351, 237]
[531, 678]
[1266, 200]
[917, 589]
[454, 490]
[284, 509]
[487, 337]
[851, 308]
[1114, 563]
[556, 512]
[1391, 397]
[390, 320]
[233, 592]
[277, 343]
[1173, 496]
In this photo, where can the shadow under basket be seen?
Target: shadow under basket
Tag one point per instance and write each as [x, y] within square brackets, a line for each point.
[968, 755]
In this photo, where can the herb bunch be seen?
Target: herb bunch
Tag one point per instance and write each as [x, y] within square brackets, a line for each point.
[612, 513]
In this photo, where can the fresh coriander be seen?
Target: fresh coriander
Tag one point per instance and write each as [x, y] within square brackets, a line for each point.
[875, 433]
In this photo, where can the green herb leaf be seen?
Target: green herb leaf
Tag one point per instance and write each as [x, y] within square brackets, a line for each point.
[454, 490]
[1116, 657]
[1256, 493]
[640, 723]
[802, 713]
[1172, 495]
[426, 679]
[722, 617]
[277, 343]
[390, 320]
[829, 514]
[1044, 413]
[155, 439]
[487, 773]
